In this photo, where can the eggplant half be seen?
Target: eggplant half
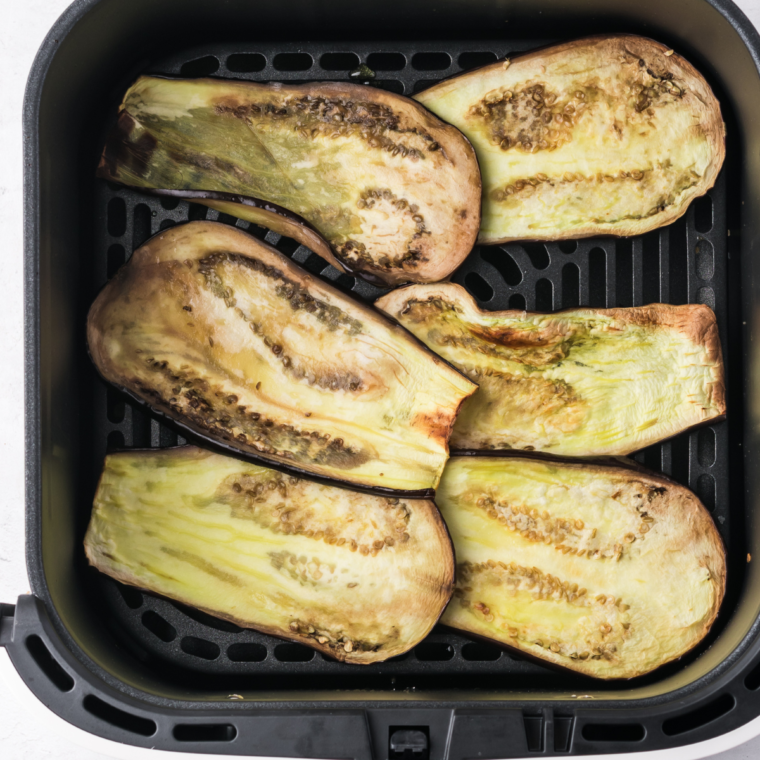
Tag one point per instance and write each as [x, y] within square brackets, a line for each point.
[580, 382]
[358, 577]
[243, 348]
[609, 571]
[395, 191]
[609, 135]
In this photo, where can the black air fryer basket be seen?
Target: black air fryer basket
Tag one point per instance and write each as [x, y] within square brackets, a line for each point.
[148, 672]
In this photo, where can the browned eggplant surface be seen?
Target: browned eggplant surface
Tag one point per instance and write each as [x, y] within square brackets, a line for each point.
[358, 577]
[608, 571]
[241, 346]
[611, 135]
[395, 191]
[579, 382]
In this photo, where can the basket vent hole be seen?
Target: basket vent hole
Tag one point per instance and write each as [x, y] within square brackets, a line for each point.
[247, 652]
[679, 463]
[204, 732]
[597, 278]
[563, 733]
[571, 286]
[399, 657]
[115, 406]
[246, 63]
[613, 732]
[339, 61]
[706, 491]
[131, 596]
[699, 717]
[116, 217]
[292, 61]
[158, 626]
[568, 246]
[705, 254]
[503, 263]
[537, 254]
[200, 67]
[197, 212]
[196, 647]
[140, 225]
[706, 296]
[119, 718]
[534, 732]
[116, 257]
[544, 295]
[227, 219]
[391, 85]
[314, 264]
[386, 61]
[473, 60]
[287, 245]
[703, 213]
[624, 272]
[478, 286]
[650, 267]
[433, 651]
[115, 441]
[208, 620]
[706, 447]
[431, 61]
[678, 262]
[293, 653]
[48, 664]
[477, 652]
[168, 202]
[517, 301]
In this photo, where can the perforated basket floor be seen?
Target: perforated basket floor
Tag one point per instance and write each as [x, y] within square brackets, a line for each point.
[683, 263]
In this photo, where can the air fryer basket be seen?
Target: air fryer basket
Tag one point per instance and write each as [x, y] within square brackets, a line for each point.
[146, 671]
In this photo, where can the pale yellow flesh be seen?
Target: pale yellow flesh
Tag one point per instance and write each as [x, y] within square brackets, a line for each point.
[393, 189]
[620, 137]
[336, 391]
[598, 569]
[359, 577]
[581, 382]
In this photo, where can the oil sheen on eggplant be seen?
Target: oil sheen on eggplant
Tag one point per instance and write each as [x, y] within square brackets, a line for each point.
[579, 382]
[395, 191]
[241, 346]
[606, 135]
[358, 577]
[606, 570]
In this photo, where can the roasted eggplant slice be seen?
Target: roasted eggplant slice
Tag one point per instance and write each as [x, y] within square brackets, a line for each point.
[611, 135]
[607, 570]
[360, 578]
[579, 382]
[394, 191]
[241, 346]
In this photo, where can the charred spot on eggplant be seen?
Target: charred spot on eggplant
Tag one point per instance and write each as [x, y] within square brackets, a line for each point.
[361, 578]
[608, 571]
[579, 382]
[237, 343]
[606, 135]
[393, 190]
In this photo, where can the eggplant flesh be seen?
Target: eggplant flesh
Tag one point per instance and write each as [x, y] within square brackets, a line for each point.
[605, 135]
[395, 191]
[242, 347]
[358, 577]
[604, 570]
[579, 382]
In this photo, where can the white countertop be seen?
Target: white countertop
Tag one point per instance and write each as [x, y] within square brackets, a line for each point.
[25, 24]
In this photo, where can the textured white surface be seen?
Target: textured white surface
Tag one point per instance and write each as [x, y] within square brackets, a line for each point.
[25, 24]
